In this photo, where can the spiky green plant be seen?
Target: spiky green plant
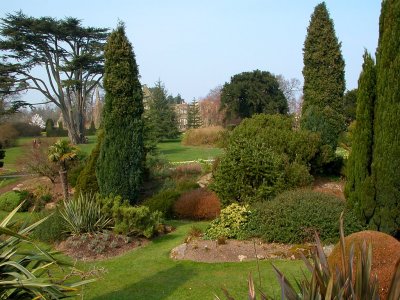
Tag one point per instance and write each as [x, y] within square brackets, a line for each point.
[83, 214]
[351, 281]
[26, 274]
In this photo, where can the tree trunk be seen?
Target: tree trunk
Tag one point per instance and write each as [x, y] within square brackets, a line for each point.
[75, 136]
[64, 183]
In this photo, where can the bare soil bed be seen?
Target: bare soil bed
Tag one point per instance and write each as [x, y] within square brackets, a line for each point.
[235, 251]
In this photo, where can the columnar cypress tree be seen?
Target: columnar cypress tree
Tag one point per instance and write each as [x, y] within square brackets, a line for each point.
[359, 188]
[386, 150]
[121, 161]
[324, 82]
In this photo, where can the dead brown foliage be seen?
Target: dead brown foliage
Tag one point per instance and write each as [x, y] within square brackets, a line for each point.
[198, 204]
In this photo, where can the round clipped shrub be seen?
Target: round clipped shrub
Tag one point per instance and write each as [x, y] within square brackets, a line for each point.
[385, 254]
[294, 217]
[229, 224]
[199, 204]
[163, 202]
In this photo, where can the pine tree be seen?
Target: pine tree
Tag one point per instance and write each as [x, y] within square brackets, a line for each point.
[359, 189]
[386, 150]
[160, 117]
[120, 164]
[324, 82]
[193, 115]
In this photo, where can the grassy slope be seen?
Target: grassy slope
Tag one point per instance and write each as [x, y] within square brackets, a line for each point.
[148, 273]
[172, 150]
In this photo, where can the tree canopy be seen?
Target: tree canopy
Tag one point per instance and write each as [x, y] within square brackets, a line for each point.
[70, 54]
[251, 93]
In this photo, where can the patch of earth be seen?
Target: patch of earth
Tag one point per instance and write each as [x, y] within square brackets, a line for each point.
[236, 251]
[329, 186]
[98, 246]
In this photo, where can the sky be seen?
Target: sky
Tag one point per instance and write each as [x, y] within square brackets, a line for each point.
[194, 46]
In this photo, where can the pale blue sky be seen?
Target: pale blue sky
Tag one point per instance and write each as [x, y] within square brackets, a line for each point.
[193, 46]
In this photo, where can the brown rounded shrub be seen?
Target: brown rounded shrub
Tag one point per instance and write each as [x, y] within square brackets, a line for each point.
[385, 254]
[198, 204]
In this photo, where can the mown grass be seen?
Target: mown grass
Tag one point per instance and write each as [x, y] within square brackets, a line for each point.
[149, 273]
[174, 151]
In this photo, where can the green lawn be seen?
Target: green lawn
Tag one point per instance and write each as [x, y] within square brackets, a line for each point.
[174, 151]
[149, 273]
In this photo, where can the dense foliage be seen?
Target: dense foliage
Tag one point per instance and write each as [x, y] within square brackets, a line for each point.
[250, 93]
[359, 186]
[207, 136]
[163, 202]
[160, 117]
[230, 223]
[28, 271]
[264, 157]
[130, 220]
[120, 165]
[87, 179]
[83, 214]
[324, 81]
[198, 204]
[295, 216]
[193, 115]
[386, 144]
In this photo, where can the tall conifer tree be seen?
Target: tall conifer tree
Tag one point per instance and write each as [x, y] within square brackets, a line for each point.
[359, 188]
[121, 160]
[324, 82]
[386, 150]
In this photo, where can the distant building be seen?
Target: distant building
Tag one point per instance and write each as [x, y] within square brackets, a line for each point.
[181, 111]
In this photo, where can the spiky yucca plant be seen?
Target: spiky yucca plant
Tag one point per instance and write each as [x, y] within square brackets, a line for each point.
[83, 214]
[350, 281]
[25, 272]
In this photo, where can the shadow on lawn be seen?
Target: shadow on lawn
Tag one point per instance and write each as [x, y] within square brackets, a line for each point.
[158, 286]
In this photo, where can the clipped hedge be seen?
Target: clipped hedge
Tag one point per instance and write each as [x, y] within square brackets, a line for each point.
[294, 217]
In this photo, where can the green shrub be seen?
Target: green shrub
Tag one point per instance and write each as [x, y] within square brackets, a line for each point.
[83, 214]
[163, 202]
[294, 217]
[230, 222]
[52, 230]
[264, 157]
[10, 200]
[130, 220]
[74, 172]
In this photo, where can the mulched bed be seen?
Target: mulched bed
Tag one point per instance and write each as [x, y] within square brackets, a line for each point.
[98, 246]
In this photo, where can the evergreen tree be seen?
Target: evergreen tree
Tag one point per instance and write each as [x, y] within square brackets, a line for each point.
[2, 155]
[87, 179]
[386, 149]
[193, 115]
[324, 82]
[160, 117]
[120, 165]
[359, 188]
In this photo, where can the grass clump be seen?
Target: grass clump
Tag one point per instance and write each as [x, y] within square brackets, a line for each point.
[207, 136]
